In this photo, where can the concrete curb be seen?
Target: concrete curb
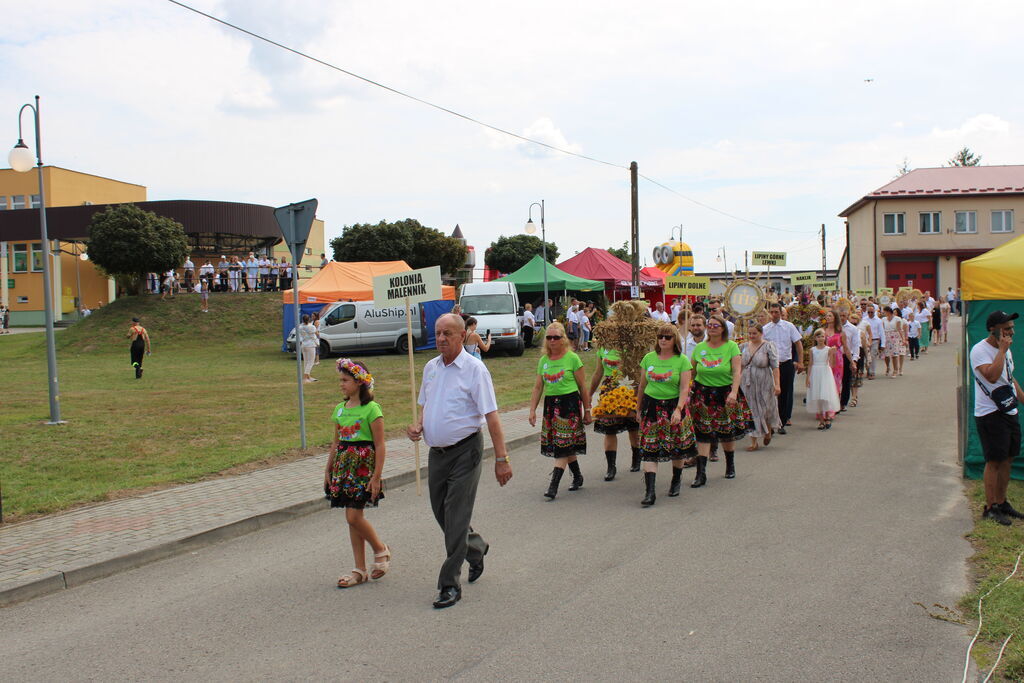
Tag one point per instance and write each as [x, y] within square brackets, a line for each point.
[59, 580]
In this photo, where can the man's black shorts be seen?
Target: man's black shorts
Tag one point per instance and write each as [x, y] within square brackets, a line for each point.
[999, 434]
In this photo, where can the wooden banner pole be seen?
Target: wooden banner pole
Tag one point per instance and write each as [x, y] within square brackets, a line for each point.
[412, 392]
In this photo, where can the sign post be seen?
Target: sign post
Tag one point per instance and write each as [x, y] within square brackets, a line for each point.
[411, 287]
[295, 220]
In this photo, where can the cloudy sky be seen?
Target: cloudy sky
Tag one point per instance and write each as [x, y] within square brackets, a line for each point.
[760, 110]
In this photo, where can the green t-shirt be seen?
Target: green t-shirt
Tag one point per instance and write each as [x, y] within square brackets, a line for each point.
[355, 422]
[557, 375]
[663, 375]
[714, 366]
[609, 361]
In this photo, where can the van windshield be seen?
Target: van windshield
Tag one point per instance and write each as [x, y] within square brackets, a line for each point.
[488, 304]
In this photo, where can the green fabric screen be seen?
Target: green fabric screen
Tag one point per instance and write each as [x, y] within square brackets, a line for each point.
[976, 314]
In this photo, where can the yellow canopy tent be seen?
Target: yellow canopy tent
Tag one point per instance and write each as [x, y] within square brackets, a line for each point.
[995, 275]
[352, 281]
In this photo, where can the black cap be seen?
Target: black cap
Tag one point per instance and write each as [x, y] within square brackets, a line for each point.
[999, 317]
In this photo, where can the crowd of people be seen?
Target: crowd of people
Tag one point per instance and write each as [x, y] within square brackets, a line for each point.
[252, 273]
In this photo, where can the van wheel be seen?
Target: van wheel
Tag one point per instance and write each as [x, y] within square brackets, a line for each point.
[402, 345]
[325, 349]
[518, 349]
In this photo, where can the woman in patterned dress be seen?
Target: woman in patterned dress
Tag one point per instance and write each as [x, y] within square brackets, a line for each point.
[352, 479]
[836, 339]
[760, 384]
[895, 344]
[566, 407]
[606, 378]
[666, 431]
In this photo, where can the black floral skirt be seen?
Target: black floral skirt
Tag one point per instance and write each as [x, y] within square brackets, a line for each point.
[349, 485]
[609, 424]
[660, 440]
[713, 420]
[562, 433]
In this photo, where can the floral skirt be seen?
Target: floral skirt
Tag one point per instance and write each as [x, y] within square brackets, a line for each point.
[660, 440]
[349, 485]
[561, 433]
[712, 419]
[609, 424]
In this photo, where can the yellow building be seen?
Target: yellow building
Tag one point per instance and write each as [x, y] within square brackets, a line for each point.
[916, 230]
[212, 228]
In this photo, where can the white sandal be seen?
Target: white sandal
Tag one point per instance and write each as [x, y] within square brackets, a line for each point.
[349, 580]
[379, 568]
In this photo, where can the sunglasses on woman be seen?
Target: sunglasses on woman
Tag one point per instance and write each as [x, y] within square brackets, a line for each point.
[714, 326]
[553, 337]
[666, 336]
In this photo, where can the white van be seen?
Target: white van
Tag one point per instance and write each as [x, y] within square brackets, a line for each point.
[348, 326]
[495, 306]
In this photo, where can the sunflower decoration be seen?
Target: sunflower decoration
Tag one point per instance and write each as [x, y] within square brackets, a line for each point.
[629, 332]
[619, 402]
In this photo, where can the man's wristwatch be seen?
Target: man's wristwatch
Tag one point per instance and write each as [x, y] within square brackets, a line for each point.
[504, 460]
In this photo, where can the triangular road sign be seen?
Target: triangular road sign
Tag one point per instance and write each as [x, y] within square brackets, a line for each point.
[295, 221]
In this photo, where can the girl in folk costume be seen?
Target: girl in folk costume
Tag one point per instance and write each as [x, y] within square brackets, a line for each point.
[352, 479]
[822, 395]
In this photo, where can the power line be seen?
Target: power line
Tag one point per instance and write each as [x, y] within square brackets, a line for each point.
[466, 117]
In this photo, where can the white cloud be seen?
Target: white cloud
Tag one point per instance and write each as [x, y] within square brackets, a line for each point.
[982, 124]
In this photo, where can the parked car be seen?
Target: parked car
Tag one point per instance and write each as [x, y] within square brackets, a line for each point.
[349, 326]
[495, 306]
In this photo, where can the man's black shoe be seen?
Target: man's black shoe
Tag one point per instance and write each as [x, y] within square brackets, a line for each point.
[1008, 510]
[995, 513]
[782, 430]
[476, 569]
[448, 597]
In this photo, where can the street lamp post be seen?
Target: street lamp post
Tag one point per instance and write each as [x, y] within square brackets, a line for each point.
[21, 160]
[531, 229]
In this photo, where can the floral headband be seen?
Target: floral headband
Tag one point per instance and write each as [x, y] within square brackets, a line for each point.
[357, 371]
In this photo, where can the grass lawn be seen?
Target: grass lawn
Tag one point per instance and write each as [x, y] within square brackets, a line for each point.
[217, 394]
[996, 549]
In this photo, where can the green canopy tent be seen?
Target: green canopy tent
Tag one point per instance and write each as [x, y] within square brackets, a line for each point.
[993, 281]
[530, 278]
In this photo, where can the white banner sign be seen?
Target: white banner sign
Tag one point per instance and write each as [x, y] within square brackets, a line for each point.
[418, 285]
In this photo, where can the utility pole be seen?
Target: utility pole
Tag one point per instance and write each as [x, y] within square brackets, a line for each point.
[823, 267]
[634, 224]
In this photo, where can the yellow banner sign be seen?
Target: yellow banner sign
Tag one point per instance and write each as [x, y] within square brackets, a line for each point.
[864, 292]
[682, 285]
[825, 285]
[802, 278]
[885, 291]
[768, 258]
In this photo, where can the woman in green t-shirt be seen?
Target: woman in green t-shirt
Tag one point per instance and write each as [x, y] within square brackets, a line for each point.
[717, 405]
[566, 407]
[606, 375]
[666, 432]
[353, 475]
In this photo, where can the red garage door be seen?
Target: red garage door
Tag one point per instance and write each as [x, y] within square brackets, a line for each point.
[919, 274]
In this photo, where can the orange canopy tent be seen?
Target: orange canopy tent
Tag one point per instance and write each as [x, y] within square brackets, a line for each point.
[352, 281]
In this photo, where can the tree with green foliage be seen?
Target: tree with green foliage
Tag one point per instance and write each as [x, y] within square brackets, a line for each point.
[127, 242]
[622, 253]
[965, 157]
[509, 254]
[407, 240]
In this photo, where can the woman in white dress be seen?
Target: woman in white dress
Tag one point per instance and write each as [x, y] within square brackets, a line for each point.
[822, 397]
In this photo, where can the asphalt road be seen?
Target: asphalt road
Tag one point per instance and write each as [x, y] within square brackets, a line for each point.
[804, 568]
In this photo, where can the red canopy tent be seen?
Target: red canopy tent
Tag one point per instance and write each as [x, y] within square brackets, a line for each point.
[617, 275]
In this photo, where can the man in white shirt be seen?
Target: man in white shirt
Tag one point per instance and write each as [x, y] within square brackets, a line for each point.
[677, 308]
[786, 338]
[190, 271]
[572, 323]
[457, 397]
[529, 325]
[998, 428]
[264, 270]
[695, 335]
[877, 340]
[252, 268]
[929, 302]
[659, 313]
[853, 343]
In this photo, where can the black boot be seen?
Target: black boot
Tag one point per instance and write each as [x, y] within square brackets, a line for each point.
[577, 476]
[730, 465]
[635, 465]
[556, 476]
[610, 457]
[649, 499]
[702, 477]
[677, 482]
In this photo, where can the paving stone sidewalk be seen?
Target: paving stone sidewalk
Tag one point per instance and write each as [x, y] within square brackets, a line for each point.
[64, 550]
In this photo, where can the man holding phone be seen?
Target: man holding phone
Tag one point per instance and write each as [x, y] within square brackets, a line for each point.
[996, 394]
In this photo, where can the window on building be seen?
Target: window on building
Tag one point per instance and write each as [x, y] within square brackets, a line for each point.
[894, 223]
[19, 258]
[37, 257]
[17, 201]
[34, 202]
[3, 203]
[1002, 221]
[931, 223]
[966, 221]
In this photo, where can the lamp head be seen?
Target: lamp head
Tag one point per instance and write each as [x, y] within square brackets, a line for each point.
[20, 158]
[530, 227]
